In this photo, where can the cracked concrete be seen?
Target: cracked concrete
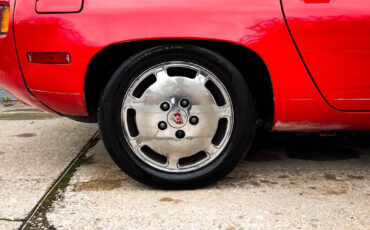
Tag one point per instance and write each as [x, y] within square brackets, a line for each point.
[33, 153]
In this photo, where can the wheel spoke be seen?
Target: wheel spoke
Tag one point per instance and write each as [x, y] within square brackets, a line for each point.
[211, 149]
[132, 101]
[135, 144]
[161, 74]
[202, 77]
[173, 162]
[140, 141]
[224, 111]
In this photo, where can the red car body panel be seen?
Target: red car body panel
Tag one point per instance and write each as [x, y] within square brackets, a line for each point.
[10, 73]
[334, 40]
[257, 25]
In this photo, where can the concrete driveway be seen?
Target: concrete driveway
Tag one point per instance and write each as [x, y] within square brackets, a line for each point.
[56, 174]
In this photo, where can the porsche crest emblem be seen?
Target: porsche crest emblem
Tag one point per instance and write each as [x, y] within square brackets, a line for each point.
[177, 118]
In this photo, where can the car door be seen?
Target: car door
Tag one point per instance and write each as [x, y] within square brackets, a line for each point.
[333, 38]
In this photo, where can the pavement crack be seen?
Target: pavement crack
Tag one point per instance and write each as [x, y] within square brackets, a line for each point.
[11, 220]
[37, 217]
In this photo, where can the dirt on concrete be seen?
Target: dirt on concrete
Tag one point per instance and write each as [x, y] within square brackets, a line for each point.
[26, 135]
[97, 185]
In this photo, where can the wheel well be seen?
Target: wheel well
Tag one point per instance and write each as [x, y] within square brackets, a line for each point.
[103, 65]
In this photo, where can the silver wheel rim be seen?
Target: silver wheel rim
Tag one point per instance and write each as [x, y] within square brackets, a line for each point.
[208, 101]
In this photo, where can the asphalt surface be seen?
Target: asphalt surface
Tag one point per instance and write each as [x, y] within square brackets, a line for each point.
[286, 182]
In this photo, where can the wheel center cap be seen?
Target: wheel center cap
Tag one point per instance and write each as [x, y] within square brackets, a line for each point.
[177, 118]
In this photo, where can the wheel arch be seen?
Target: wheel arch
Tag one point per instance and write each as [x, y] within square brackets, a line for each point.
[104, 64]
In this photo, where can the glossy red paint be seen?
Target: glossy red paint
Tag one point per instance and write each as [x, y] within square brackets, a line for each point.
[257, 25]
[10, 73]
[334, 40]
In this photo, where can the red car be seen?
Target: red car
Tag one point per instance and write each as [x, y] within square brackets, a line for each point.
[179, 87]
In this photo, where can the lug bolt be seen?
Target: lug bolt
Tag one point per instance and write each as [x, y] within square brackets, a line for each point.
[194, 120]
[165, 106]
[184, 103]
[162, 125]
[180, 134]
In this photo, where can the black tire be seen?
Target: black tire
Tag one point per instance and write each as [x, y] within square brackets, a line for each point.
[110, 123]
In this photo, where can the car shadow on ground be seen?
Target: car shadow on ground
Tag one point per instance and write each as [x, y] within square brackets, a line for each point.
[311, 147]
[303, 160]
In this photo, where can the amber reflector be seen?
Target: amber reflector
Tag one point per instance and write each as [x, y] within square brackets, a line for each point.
[49, 58]
[4, 17]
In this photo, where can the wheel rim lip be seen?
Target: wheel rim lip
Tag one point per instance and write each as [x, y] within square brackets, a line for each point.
[162, 167]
